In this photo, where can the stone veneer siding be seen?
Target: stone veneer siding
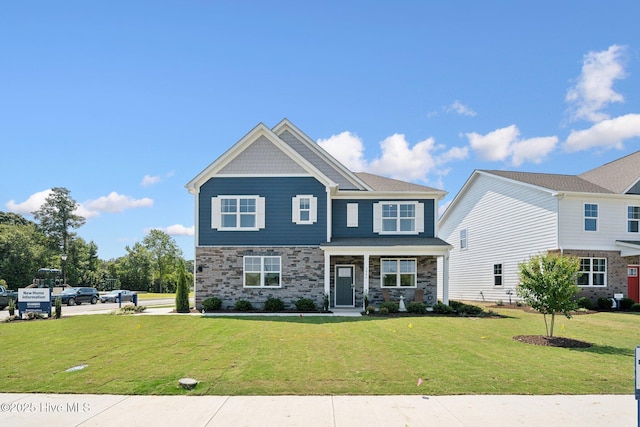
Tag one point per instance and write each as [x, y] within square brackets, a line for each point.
[426, 279]
[616, 274]
[222, 275]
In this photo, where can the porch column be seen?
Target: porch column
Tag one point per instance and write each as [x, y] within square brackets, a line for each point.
[365, 277]
[327, 274]
[445, 279]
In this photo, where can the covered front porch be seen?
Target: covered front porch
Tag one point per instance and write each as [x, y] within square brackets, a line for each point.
[362, 270]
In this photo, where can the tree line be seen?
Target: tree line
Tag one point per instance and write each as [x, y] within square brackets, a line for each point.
[26, 246]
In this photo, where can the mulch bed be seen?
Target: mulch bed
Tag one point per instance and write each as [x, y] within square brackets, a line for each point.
[552, 341]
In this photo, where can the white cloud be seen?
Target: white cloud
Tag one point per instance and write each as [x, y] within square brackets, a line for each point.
[347, 148]
[116, 203]
[33, 203]
[461, 109]
[496, 145]
[593, 90]
[400, 161]
[505, 144]
[149, 180]
[179, 230]
[533, 150]
[606, 134]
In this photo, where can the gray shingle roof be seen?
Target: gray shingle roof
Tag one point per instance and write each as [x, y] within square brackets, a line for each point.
[618, 175]
[380, 183]
[556, 182]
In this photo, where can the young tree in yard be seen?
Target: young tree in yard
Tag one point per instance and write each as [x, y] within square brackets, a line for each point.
[56, 218]
[548, 285]
[182, 291]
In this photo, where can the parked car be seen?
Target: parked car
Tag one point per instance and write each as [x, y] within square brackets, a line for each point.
[112, 296]
[78, 295]
[5, 296]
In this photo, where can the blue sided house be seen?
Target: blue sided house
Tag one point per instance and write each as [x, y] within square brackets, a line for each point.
[277, 216]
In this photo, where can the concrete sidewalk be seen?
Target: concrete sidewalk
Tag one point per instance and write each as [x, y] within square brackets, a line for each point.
[318, 411]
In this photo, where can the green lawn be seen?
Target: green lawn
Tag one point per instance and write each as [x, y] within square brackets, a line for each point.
[317, 355]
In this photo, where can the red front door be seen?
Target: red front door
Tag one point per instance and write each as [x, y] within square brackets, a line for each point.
[632, 283]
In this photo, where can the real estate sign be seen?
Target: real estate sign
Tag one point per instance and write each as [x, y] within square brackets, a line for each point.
[34, 300]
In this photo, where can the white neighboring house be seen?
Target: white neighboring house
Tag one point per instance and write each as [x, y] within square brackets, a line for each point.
[500, 219]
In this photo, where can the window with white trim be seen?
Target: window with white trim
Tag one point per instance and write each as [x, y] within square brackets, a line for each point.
[593, 272]
[304, 209]
[237, 213]
[497, 274]
[398, 217]
[633, 218]
[463, 239]
[262, 271]
[399, 273]
[590, 217]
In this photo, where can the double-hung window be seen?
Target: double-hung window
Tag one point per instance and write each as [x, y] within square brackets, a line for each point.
[262, 271]
[463, 239]
[237, 213]
[398, 217]
[590, 217]
[633, 218]
[304, 209]
[497, 274]
[593, 272]
[398, 273]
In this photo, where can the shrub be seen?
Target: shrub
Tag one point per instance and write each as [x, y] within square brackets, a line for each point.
[325, 302]
[626, 303]
[182, 291]
[58, 307]
[499, 303]
[584, 302]
[441, 308]
[635, 307]
[131, 309]
[384, 310]
[370, 309]
[417, 307]
[466, 309]
[273, 304]
[211, 304]
[305, 304]
[392, 307]
[12, 307]
[604, 303]
[243, 305]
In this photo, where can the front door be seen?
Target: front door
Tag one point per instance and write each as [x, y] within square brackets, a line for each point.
[345, 286]
[632, 283]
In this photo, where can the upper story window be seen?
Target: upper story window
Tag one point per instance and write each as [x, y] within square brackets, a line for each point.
[633, 218]
[304, 209]
[463, 239]
[398, 217]
[590, 217]
[594, 272]
[242, 213]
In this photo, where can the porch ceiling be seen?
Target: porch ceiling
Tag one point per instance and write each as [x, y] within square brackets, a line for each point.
[387, 245]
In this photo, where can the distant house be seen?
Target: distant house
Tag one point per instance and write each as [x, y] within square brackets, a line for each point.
[277, 216]
[500, 218]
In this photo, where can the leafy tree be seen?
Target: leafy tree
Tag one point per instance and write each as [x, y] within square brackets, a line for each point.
[82, 265]
[164, 252]
[134, 270]
[56, 218]
[548, 285]
[182, 291]
[22, 252]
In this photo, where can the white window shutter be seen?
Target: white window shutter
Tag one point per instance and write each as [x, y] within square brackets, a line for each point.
[420, 217]
[313, 210]
[352, 214]
[377, 217]
[295, 209]
[260, 212]
[215, 213]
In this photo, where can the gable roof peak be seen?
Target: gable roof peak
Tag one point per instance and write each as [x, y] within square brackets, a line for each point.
[618, 176]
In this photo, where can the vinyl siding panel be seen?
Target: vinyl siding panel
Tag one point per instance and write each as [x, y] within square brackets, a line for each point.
[366, 220]
[279, 229]
[506, 223]
[612, 222]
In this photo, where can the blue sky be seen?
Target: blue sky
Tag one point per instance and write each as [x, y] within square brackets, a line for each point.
[123, 102]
